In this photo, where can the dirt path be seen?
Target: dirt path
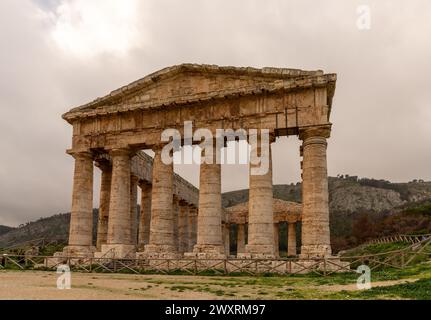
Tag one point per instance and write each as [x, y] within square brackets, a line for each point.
[36, 285]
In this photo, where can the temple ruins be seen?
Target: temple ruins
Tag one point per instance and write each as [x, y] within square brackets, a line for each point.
[178, 220]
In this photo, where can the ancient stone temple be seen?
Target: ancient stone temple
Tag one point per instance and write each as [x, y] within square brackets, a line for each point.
[176, 219]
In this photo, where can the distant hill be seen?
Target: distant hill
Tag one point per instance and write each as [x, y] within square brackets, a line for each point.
[349, 194]
[54, 227]
[350, 200]
[5, 229]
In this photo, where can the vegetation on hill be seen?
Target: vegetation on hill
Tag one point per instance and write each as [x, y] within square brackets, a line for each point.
[412, 219]
[5, 229]
[52, 228]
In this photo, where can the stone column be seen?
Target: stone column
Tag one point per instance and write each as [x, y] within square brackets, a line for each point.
[176, 212]
[183, 227]
[162, 243]
[81, 218]
[260, 212]
[276, 239]
[119, 236]
[315, 214]
[226, 238]
[105, 196]
[145, 216]
[209, 237]
[193, 227]
[291, 239]
[133, 210]
[240, 239]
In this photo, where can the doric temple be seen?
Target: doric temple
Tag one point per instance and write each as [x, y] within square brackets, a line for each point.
[176, 219]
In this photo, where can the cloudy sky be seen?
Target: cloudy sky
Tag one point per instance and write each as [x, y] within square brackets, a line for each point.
[57, 54]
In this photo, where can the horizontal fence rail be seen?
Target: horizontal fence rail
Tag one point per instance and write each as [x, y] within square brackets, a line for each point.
[401, 238]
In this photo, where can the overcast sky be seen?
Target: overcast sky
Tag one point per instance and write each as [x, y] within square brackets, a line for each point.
[58, 54]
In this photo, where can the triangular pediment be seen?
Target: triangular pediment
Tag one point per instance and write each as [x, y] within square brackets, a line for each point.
[191, 82]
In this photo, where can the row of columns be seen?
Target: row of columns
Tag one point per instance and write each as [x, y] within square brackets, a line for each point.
[167, 230]
[118, 228]
[241, 239]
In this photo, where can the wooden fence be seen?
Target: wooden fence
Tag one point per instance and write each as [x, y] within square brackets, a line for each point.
[401, 238]
[398, 259]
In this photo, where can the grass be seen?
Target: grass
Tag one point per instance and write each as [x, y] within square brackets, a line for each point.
[377, 248]
[418, 290]
[310, 286]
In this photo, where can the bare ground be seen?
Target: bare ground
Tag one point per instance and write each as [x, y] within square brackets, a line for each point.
[37, 285]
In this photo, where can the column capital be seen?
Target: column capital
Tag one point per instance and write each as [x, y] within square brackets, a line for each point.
[318, 132]
[143, 184]
[126, 152]
[103, 164]
[87, 154]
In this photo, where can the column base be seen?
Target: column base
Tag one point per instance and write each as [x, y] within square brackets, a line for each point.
[117, 251]
[79, 251]
[259, 251]
[73, 255]
[256, 256]
[159, 251]
[205, 251]
[315, 251]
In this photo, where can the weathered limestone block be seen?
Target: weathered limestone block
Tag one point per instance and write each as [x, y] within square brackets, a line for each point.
[193, 227]
[183, 228]
[240, 240]
[162, 242]
[81, 220]
[276, 239]
[119, 233]
[176, 212]
[105, 195]
[145, 216]
[291, 239]
[133, 210]
[261, 218]
[226, 238]
[209, 237]
[315, 215]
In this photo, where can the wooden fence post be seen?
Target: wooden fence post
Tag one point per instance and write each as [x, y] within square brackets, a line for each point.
[324, 267]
